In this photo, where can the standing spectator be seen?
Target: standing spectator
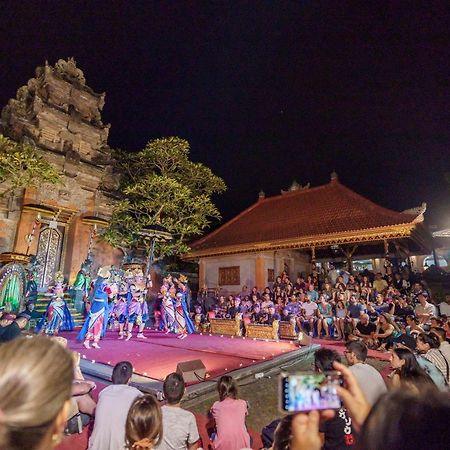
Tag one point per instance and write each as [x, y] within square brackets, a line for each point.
[229, 414]
[369, 379]
[179, 426]
[112, 408]
[143, 428]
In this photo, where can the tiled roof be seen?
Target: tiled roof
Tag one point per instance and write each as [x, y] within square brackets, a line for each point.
[323, 210]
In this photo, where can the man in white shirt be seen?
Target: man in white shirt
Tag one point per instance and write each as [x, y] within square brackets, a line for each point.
[424, 310]
[369, 379]
[112, 409]
[444, 307]
[309, 313]
[179, 426]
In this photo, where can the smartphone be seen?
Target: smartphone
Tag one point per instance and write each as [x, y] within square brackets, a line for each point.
[308, 391]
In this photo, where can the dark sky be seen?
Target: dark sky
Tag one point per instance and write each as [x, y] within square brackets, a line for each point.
[265, 91]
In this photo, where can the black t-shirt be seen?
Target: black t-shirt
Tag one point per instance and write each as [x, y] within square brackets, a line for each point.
[338, 432]
[366, 329]
[9, 332]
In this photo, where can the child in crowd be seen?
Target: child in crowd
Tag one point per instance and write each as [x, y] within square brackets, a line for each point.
[144, 429]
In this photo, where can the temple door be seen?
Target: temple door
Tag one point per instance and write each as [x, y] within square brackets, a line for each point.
[49, 254]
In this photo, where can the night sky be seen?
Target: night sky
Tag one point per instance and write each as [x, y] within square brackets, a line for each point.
[265, 91]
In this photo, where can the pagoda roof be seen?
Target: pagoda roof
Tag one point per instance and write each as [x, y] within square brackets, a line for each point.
[307, 217]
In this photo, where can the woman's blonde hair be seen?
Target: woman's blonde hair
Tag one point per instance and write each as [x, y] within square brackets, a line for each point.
[35, 381]
[143, 430]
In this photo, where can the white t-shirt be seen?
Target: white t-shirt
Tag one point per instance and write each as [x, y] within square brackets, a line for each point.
[309, 308]
[110, 417]
[179, 429]
[444, 309]
[370, 381]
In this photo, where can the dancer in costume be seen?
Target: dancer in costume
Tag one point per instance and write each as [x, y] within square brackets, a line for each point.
[182, 309]
[120, 309]
[137, 307]
[168, 321]
[94, 326]
[82, 285]
[57, 317]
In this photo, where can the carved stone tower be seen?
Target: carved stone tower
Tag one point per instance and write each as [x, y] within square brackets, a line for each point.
[61, 116]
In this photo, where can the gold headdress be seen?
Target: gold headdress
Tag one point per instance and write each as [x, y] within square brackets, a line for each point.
[104, 272]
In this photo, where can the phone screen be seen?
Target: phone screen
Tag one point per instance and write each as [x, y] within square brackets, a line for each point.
[310, 391]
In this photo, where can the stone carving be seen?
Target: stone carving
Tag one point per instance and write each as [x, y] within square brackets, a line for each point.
[69, 71]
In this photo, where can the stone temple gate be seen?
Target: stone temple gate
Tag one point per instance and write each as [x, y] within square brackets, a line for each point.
[61, 116]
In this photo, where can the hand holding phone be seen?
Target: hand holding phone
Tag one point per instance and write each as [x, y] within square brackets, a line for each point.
[310, 391]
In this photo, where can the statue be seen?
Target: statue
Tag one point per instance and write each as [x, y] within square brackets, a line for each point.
[82, 285]
[12, 287]
[32, 275]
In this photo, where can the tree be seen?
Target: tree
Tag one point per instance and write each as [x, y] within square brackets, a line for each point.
[161, 186]
[21, 166]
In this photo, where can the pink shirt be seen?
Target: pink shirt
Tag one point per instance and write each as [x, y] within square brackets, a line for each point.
[229, 415]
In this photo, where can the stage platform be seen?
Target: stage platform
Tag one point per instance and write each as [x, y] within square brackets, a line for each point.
[159, 354]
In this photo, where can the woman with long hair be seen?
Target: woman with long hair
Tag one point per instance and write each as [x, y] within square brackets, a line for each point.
[35, 384]
[407, 371]
[428, 346]
[229, 414]
[387, 331]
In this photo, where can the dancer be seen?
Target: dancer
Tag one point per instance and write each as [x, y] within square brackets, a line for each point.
[182, 308]
[94, 326]
[120, 309]
[168, 321]
[57, 317]
[137, 308]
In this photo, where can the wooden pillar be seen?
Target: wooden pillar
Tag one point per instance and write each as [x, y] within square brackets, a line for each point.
[24, 227]
[201, 275]
[260, 279]
[77, 244]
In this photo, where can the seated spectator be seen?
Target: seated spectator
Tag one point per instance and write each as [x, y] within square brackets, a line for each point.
[354, 310]
[372, 313]
[444, 307]
[309, 314]
[271, 316]
[387, 331]
[229, 414]
[436, 322]
[380, 284]
[364, 330]
[444, 346]
[369, 379]
[312, 294]
[337, 432]
[256, 316]
[35, 382]
[341, 317]
[144, 428]
[15, 327]
[112, 408]
[285, 316]
[424, 310]
[179, 426]
[325, 317]
[412, 326]
[402, 309]
[428, 346]
[407, 371]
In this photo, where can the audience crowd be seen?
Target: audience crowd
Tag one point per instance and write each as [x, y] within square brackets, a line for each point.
[44, 394]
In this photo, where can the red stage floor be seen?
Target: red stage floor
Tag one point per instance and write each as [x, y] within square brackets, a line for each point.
[159, 355]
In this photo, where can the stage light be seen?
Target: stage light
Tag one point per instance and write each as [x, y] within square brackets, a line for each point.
[93, 361]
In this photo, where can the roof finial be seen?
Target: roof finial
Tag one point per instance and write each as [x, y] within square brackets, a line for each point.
[261, 195]
[334, 176]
